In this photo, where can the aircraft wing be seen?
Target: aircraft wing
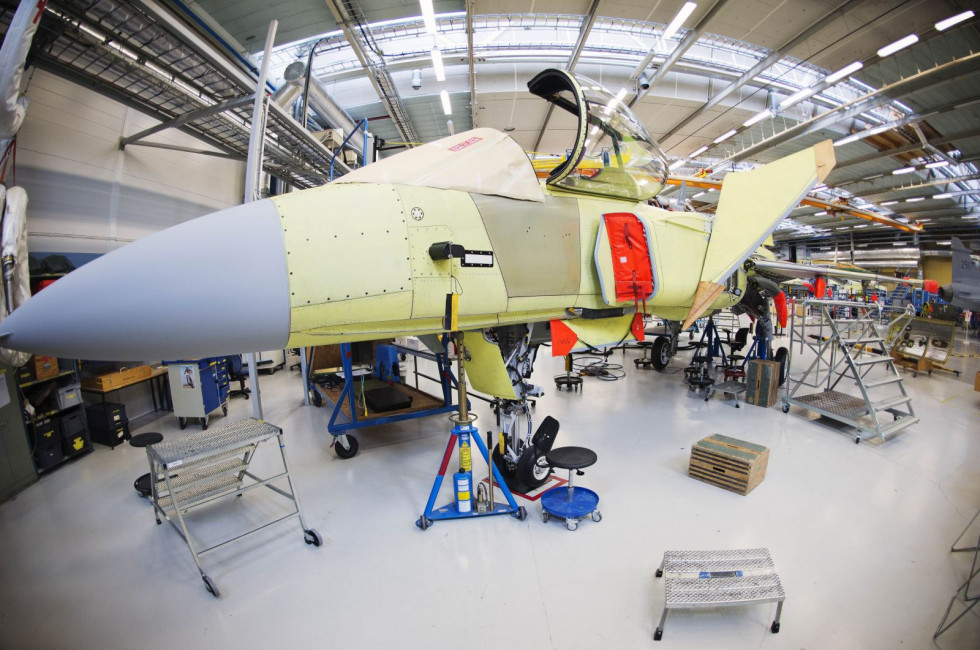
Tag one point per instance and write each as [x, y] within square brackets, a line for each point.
[781, 271]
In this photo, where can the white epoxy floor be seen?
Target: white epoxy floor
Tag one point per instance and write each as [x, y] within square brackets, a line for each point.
[860, 535]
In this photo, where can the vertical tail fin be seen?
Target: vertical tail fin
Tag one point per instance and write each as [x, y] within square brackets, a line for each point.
[964, 270]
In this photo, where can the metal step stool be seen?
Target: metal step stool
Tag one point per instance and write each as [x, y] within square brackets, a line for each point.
[719, 579]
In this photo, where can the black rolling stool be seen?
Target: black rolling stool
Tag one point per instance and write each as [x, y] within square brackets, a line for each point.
[142, 484]
[569, 502]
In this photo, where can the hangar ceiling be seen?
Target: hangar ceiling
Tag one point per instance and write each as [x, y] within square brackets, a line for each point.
[914, 111]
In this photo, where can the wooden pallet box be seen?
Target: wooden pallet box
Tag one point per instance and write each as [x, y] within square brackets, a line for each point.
[762, 382]
[729, 463]
[113, 380]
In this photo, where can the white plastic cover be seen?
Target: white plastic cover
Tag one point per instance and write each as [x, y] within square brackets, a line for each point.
[15, 45]
[484, 161]
[13, 236]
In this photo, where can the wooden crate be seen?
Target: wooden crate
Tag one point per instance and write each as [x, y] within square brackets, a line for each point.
[762, 382]
[45, 367]
[732, 464]
[118, 379]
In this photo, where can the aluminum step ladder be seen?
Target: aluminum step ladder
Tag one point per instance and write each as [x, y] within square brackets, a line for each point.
[849, 347]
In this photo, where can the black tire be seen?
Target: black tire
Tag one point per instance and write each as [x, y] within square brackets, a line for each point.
[660, 353]
[785, 408]
[211, 587]
[529, 471]
[521, 513]
[311, 536]
[782, 354]
[316, 398]
[182, 422]
[346, 453]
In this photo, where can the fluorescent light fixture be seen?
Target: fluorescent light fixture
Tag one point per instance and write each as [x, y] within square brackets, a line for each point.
[679, 19]
[903, 170]
[447, 108]
[915, 198]
[898, 243]
[698, 194]
[437, 64]
[677, 163]
[724, 136]
[943, 25]
[758, 117]
[900, 44]
[844, 72]
[888, 203]
[923, 220]
[819, 188]
[428, 16]
[820, 214]
[699, 151]
[944, 195]
[945, 243]
[848, 139]
[863, 225]
[796, 97]
[938, 163]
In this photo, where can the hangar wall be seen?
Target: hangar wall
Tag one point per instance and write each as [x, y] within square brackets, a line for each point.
[87, 196]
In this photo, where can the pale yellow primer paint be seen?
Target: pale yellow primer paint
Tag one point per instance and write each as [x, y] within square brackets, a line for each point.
[604, 331]
[485, 367]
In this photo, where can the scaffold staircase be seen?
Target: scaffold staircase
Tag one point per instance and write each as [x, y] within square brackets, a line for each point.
[847, 350]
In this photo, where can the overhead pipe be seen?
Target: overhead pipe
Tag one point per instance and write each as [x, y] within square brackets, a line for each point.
[331, 112]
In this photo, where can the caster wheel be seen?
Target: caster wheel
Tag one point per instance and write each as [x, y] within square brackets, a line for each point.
[857, 441]
[224, 409]
[545, 517]
[344, 452]
[159, 522]
[211, 587]
[660, 573]
[571, 525]
[311, 536]
[785, 408]
[182, 422]
[204, 424]
[521, 513]
[659, 634]
[422, 522]
[316, 398]
[596, 516]
[775, 627]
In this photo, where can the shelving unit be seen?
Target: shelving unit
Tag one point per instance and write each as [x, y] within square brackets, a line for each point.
[55, 434]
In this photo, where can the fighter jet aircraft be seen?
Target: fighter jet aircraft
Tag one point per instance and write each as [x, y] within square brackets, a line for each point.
[964, 290]
[458, 234]
[375, 253]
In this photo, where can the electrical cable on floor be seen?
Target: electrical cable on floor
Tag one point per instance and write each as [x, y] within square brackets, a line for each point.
[595, 365]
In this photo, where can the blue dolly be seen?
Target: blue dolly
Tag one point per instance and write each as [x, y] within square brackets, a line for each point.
[569, 502]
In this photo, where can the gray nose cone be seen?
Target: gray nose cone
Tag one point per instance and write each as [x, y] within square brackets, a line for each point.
[212, 286]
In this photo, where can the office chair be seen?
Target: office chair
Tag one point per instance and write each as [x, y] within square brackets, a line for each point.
[237, 372]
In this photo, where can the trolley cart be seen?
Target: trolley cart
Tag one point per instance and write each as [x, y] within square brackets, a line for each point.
[203, 467]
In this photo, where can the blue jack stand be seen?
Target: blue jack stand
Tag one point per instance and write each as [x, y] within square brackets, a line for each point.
[464, 428]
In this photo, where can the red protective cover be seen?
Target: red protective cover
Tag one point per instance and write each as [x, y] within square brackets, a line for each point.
[563, 339]
[931, 286]
[630, 256]
[779, 301]
[820, 288]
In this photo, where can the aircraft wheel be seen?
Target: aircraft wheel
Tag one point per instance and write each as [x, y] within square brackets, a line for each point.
[530, 470]
[660, 353]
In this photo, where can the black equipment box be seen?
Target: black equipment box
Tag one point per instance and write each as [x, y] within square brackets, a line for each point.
[48, 457]
[111, 437]
[389, 398]
[72, 430]
[106, 416]
[45, 435]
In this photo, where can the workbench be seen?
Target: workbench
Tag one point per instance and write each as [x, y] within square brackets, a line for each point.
[159, 390]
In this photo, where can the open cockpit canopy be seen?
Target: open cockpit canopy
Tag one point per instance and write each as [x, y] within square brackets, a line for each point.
[630, 164]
